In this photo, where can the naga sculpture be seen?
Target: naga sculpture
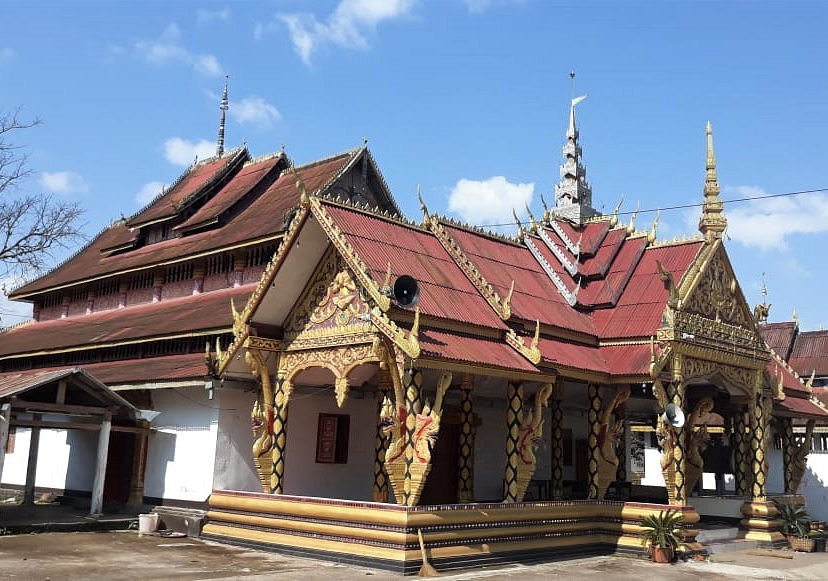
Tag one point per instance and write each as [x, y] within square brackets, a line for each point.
[408, 458]
[531, 434]
[262, 418]
[610, 432]
[697, 442]
[799, 457]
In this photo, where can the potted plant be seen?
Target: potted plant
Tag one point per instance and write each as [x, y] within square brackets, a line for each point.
[661, 535]
[796, 526]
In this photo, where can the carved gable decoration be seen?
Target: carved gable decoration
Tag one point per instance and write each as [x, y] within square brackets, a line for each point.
[716, 294]
[331, 309]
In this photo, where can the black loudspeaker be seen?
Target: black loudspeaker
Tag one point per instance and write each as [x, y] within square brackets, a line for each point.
[406, 291]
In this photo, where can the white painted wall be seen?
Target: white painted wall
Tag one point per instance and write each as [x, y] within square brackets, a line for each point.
[490, 451]
[814, 486]
[303, 476]
[182, 445]
[234, 468]
[66, 458]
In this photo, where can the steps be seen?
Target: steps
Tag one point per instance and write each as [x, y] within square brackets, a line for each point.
[724, 539]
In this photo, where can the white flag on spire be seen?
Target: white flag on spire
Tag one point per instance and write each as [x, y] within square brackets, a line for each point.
[577, 100]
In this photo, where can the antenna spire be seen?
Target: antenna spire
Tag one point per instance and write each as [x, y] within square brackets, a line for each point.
[224, 105]
[713, 223]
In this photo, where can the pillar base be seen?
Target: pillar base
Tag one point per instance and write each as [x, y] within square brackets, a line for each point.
[760, 522]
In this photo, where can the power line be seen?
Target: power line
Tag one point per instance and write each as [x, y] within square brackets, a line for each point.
[696, 204]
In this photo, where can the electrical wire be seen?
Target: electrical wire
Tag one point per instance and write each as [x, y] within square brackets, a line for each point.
[694, 205]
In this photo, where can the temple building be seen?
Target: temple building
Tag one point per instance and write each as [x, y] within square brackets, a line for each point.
[375, 388]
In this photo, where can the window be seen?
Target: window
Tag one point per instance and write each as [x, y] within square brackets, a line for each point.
[332, 439]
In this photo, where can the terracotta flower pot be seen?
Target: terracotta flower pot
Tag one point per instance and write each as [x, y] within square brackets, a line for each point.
[661, 554]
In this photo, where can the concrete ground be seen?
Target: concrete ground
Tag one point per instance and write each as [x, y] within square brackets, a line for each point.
[125, 555]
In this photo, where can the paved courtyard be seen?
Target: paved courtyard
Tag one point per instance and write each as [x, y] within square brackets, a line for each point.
[126, 555]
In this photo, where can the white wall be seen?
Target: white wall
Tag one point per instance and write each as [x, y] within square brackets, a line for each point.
[182, 445]
[303, 476]
[814, 486]
[66, 458]
[234, 468]
[490, 451]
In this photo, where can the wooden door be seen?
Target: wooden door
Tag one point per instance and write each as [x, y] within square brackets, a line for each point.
[119, 462]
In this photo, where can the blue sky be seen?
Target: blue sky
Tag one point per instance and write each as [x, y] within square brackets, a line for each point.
[449, 93]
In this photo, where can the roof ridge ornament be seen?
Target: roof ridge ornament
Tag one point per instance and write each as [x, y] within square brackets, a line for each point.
[713, 222]
[653, 235]
[224, 105]
[614, 219]
[573, 194]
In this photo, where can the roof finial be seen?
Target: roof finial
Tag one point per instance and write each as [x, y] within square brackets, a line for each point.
[224, 106]
[713, 222]
[795, 317]
[573, 196]
[653, 235]
[423, 207]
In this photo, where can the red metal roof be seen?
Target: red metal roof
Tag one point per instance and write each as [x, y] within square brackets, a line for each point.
[169, 368]
[627, 359]
[800, 407]
[574, 355]
[263, 217]
[598, 264]
[810, 353]
[242, 183]
[535, 297]
[470, 349]
[639, 309]
[169, 317]
[14, 384]
[188, 185]
[789, 381]
[445, 292]
[779, 336]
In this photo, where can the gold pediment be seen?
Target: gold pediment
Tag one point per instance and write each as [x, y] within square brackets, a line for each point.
[331, 308]
[714, 292]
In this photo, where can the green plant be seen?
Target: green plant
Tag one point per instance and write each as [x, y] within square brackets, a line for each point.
[662, 530]
[795, 519]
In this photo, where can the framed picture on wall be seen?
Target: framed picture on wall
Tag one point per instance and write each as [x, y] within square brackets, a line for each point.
[332, 439]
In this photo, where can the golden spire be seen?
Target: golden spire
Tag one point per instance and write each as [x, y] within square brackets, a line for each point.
[713, 222]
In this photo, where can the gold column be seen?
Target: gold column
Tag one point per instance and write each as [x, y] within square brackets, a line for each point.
[786, 431]
[675, 395]
[594, 418]
[465, 458]
[514, 413]
[621, 448]
[280, 418]
[414, 381]
[556, 434]
[758, 425]
[381, 442]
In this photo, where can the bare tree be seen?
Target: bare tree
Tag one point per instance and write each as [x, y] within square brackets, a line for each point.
[32, 226]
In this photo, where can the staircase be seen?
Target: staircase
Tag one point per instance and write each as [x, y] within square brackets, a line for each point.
[723, 538]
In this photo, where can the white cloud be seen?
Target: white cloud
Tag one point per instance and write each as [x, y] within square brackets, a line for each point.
[7, 55]
[63, 182]
[489, 201]
[480, 6]
[167, 49]
[254, 111]
[148, 192]
[346, 26]
[767, 224]
[183, 152]
[205, 16]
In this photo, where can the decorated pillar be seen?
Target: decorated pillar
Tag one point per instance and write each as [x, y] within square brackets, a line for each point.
[514, 413]
[413, 433]
[284, 389]
[262, 418]
[758, 425]
[556, 434]
[380, 493]
[741, 464]
[675, 395]
[139, 465]
[465, 457]
[760, 514]
[798, 458]
[594, 419]
[786, 434]
[621, 442]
